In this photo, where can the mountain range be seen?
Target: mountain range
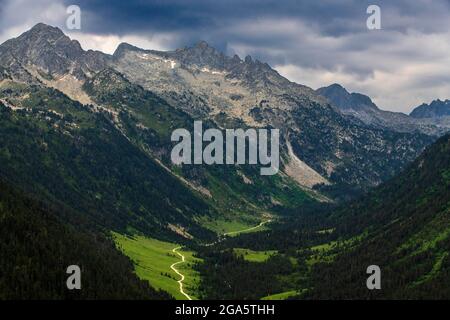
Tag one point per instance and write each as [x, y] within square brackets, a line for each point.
[206, 84]
[362, 107]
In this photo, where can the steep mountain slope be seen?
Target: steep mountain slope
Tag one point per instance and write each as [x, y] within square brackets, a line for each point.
[71, 154]
[404, 227]
[209, 85]
[110, 157]
[200, 73]
[362, 107]
[37, 244]
[148, 121]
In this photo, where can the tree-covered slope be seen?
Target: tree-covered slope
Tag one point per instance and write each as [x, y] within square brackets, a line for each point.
[37, 245]
[99, 166]
[405, 225]
[68, 153]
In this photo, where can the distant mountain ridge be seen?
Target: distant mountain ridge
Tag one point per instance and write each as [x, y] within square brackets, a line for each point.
[436, 109]
[346, 100]
[363, 108]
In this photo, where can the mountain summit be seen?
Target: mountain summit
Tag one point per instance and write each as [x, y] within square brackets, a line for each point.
[344, 100]
[47, 50]
[363, 108]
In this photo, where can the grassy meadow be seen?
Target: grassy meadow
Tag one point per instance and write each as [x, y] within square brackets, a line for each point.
[152, 260]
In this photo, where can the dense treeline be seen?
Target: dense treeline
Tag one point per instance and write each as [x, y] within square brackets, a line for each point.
[407, 222]
[37, 247]
[293, 229]
[227, 276]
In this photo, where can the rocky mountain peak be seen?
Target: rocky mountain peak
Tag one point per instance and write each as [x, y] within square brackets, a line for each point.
[124, 47]
[202, 55]
[41, 38]
[341, 98]
[236, 59]
[336, 87]
[49, 50]
[45, 30]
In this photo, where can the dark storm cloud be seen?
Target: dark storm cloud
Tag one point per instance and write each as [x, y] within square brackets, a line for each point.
[210, 19]
[223, 22]
[178, 15]
[331, 17]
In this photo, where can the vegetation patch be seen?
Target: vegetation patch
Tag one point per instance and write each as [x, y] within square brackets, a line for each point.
[223, 226]
[254, 256]
[282, 295]
[434, 271]
[152, 260]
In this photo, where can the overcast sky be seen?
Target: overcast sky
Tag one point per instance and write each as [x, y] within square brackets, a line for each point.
[315, 43]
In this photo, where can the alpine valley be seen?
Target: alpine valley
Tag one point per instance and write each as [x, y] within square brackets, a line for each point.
[87, 179]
